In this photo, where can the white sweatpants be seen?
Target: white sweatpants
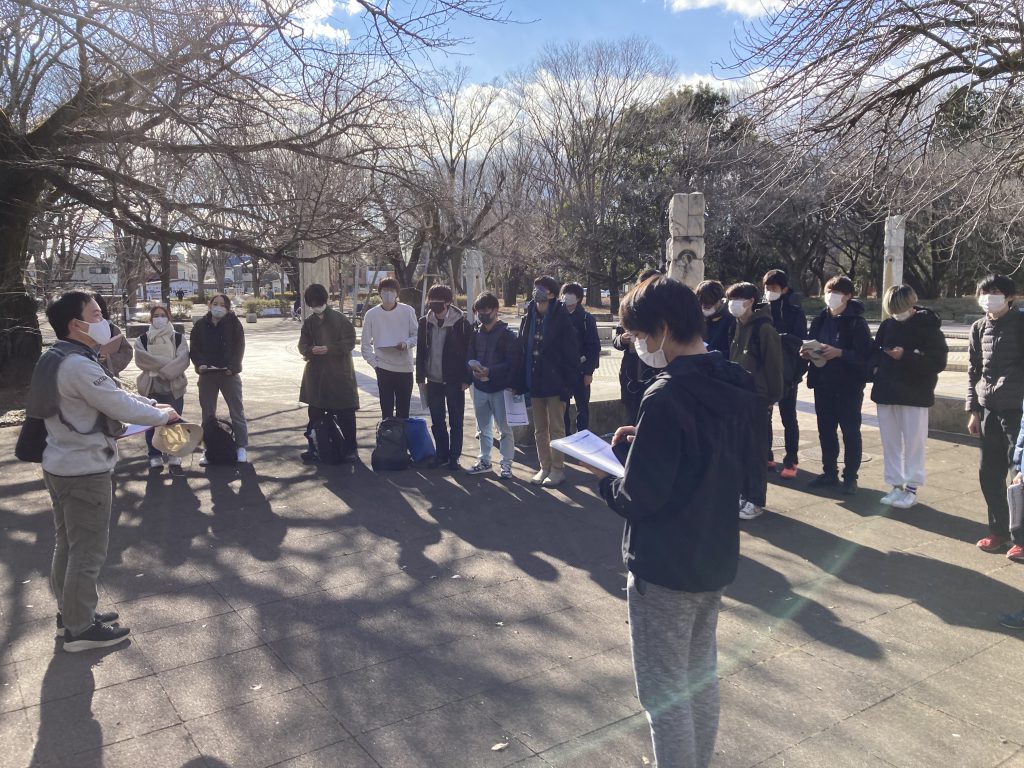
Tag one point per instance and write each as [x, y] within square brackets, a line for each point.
[904, 431]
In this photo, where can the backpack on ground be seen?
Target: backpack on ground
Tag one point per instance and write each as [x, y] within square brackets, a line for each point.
[328, 440]
[392, 449]
[420, 443]
[219, 442]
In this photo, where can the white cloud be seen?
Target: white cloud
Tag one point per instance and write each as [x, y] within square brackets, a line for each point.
[748, 8]
[315, 20]
[353, 7]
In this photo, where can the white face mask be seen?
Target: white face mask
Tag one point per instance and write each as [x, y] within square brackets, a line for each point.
[159, 323]
[772, 295]
[388, 298]
[569, 300]
[737, 307]
[903, 316]
[833, 300]
[318, 310]
[218, 312]
[992, 302]
[653, 358]
[708, 312]
[99, 332]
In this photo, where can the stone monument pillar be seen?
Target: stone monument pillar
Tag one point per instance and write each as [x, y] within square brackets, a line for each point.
[684, 251]
[472, 277]
[892, 271]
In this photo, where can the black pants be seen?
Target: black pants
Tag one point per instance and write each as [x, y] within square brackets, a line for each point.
[453, 398]
[395, 391]
[755, 477]
[790, 427]
[838, 408]
[581, 394]
[998, 437]
[344, 418]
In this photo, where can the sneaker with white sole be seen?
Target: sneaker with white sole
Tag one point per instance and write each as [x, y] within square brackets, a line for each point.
[905, 500]
[892, 495]
[538, 478]
[242, 458]
[174, 461]
[99, 635]
[555, 477]
[479, 468]
[156, 461]
[506, 471]
[203, 461]
[749, 511]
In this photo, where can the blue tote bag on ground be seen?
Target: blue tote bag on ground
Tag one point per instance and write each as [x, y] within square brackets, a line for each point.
[421, 444]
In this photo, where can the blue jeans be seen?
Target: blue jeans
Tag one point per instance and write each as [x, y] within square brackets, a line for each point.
[168, 399]
[489, 408]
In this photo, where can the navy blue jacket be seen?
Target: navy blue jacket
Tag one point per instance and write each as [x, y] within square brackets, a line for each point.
[587, 340]
[718, 331]
[788, 316]
[683, 474]
[551, 369]
[849, 331]
[499, 352]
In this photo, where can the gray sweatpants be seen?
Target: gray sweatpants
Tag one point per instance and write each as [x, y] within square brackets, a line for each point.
[212, 384]
[674, 660]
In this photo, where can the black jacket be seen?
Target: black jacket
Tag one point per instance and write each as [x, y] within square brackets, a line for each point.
[849, 331]
[499, 352]
[221, 345]
[718, 331]
[683, 474]
[634, 375]
[329, 381]
[910, 380]
[788, 316]
[995, 368]
[453, 356]
[550, 369]
[587, 340]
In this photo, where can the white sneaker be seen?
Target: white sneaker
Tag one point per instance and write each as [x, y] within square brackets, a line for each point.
[749, 511]
[554, 478]
[539, 477]
[203, 461]
[174, 461]
[156, 461]
[241, 456]
[905, 500]
[892, 495]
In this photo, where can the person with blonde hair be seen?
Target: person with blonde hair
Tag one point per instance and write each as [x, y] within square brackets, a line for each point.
[910, 352]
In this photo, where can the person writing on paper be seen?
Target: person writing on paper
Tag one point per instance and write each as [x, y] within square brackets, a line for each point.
[389, 334]
[162, 354]
[83, 409]
[494, 356]
[679, 493]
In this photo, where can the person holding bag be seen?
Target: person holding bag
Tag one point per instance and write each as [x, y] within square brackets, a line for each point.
[162, 354]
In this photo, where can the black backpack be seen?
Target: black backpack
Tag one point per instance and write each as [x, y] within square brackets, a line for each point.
[144, 340]
[392, 450]
[328, 441]
[219, 442]
[793, 366]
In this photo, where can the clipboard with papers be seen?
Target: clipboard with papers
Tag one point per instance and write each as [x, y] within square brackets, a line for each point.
[587, 447]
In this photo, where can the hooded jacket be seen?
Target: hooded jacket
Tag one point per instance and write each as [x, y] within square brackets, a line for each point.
[910, 380]
[718, 331]
[850, 333]
[499, 352]
[550, 368]
[995, 368]
[453, 353]
[329, 381]
[788, 316]
[762, 356]
[587, 339]
[683, 474]
[220, 344]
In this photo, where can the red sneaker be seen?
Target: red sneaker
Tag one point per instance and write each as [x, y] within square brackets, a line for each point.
[1016, 553]
[994, 544]
[788, 472]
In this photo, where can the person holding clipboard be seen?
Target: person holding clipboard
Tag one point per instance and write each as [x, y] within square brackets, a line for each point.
[678, 494]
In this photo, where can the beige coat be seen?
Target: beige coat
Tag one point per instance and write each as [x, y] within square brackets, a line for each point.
[160, 373]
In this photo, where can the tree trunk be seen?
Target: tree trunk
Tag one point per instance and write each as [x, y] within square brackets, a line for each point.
[20, 341]
[165, 273]
[219, 265]
[613, 284]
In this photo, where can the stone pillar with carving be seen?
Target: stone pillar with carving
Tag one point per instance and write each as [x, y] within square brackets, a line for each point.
[684, 251]
[895, 234]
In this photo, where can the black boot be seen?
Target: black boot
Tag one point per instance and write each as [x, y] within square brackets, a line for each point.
[310, 456]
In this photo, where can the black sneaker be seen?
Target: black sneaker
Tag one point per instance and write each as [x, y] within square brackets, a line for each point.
[454, 466]
[104, 618]
[824, 481]
[437, 461]
[309, 457]
[849, 487]
[350, 458]
[97, 636]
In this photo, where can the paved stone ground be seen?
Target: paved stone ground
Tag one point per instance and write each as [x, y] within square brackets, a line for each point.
[297, 616]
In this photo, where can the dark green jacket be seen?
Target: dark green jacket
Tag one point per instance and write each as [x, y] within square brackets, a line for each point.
[329, 381]
[761, 356]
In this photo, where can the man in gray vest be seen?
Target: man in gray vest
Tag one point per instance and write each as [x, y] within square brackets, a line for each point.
[83, 410]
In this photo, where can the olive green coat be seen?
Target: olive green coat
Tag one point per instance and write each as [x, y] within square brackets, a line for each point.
[329, 381]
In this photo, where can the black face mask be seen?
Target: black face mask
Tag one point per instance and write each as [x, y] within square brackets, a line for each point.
[437, 307]
[484, 317]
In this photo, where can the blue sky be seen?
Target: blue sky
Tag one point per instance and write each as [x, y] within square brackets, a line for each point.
[697, 38]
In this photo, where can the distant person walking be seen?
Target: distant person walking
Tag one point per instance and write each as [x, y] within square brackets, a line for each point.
[910, 353]
[162, 355]
[681, 541]
[995, 392]
[389, 335]
[217, 346]
[84, 411]
[329, 384]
